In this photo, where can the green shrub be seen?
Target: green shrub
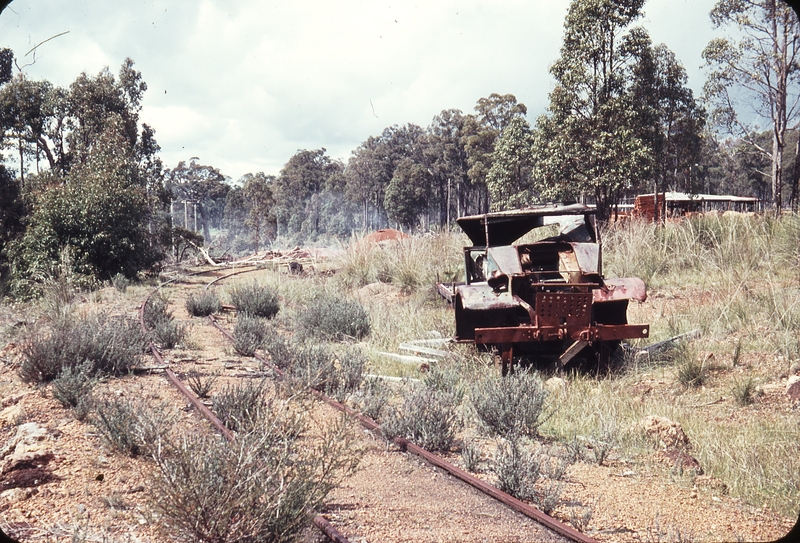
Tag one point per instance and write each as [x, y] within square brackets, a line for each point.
[248, 335]
[241, 406]
[111, 345]
[692, 372]
[73, 386]
[373, 397]
[743, 391]
[254, 300]
[130, 425]
[204, 304]
[428, 418]
[260, 487]
[511, 405]
[201, 385]
[329, 317]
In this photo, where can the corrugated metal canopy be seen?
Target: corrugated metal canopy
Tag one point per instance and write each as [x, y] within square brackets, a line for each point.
[505, 227]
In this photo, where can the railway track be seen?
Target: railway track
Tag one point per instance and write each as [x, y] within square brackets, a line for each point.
[559, 530]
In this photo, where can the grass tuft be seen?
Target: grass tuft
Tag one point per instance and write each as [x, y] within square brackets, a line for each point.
[204, 304]
[254, 300]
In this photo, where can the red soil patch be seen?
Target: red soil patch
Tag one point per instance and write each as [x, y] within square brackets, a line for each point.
[385, 234]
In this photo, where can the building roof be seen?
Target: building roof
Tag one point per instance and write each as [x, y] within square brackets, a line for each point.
[686, 197]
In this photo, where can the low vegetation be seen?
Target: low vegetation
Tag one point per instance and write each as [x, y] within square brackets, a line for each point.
[333, 318]
[249, 335]
[427, 417]
[164, 330]
[203, 304]
[510, 406]
[105, 344]
[254, 300]
[260, 487]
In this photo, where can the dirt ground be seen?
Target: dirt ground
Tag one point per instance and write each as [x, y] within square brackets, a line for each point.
[76, 488]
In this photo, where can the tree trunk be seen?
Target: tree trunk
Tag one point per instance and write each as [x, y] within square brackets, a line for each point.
[796, 176]
[777, 171]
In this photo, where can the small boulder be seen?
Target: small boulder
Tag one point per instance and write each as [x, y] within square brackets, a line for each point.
[793, 388]
[711, 484]
[10, 415]
[679, 459]
[664, 432]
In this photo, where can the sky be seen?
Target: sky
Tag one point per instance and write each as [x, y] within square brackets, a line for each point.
[244, 84]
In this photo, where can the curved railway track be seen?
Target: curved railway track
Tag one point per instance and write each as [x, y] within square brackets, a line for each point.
[550, 523]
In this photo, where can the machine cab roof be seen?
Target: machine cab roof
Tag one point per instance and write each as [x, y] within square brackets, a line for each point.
[505, 227]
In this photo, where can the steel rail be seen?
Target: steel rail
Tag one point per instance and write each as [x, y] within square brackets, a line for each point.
[319, 521]
[406, 445]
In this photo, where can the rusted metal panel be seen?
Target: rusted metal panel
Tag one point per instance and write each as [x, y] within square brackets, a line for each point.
[505, 227]
[588, 257]
[627, 288]
[563, 308]
[531, 334]
[548, 290]
[506, 259]
[481, 296]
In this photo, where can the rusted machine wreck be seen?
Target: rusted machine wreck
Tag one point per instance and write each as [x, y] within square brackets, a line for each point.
[545, 300]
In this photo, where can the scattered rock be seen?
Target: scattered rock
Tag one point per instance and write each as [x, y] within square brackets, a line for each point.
[13, 400]
[16, 495]
[29, 441]
[713, 484]
[11, 414]
[679, 459]
[664, 432]
[793, 388]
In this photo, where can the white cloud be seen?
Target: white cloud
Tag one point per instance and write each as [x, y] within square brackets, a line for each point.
[243, 84]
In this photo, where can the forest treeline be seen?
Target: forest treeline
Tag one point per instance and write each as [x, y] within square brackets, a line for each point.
[81, 178]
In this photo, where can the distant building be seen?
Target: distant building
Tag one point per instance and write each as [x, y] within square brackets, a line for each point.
[679, 204]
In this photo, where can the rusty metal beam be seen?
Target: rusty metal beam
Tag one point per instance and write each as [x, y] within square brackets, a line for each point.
[531, 334]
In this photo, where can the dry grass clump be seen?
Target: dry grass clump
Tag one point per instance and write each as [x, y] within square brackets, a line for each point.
[335, 372]
[263, 486]
[254, 300]
[531, 473]
[110, 345]
[203, 304]
[202, 385]
[411, 263]
[131, 425]
[427, 417]
[249, 334]
[241, 406]
[161, 324]
[372, 398]
[73, 388]
[330, 317]
[514, 405]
